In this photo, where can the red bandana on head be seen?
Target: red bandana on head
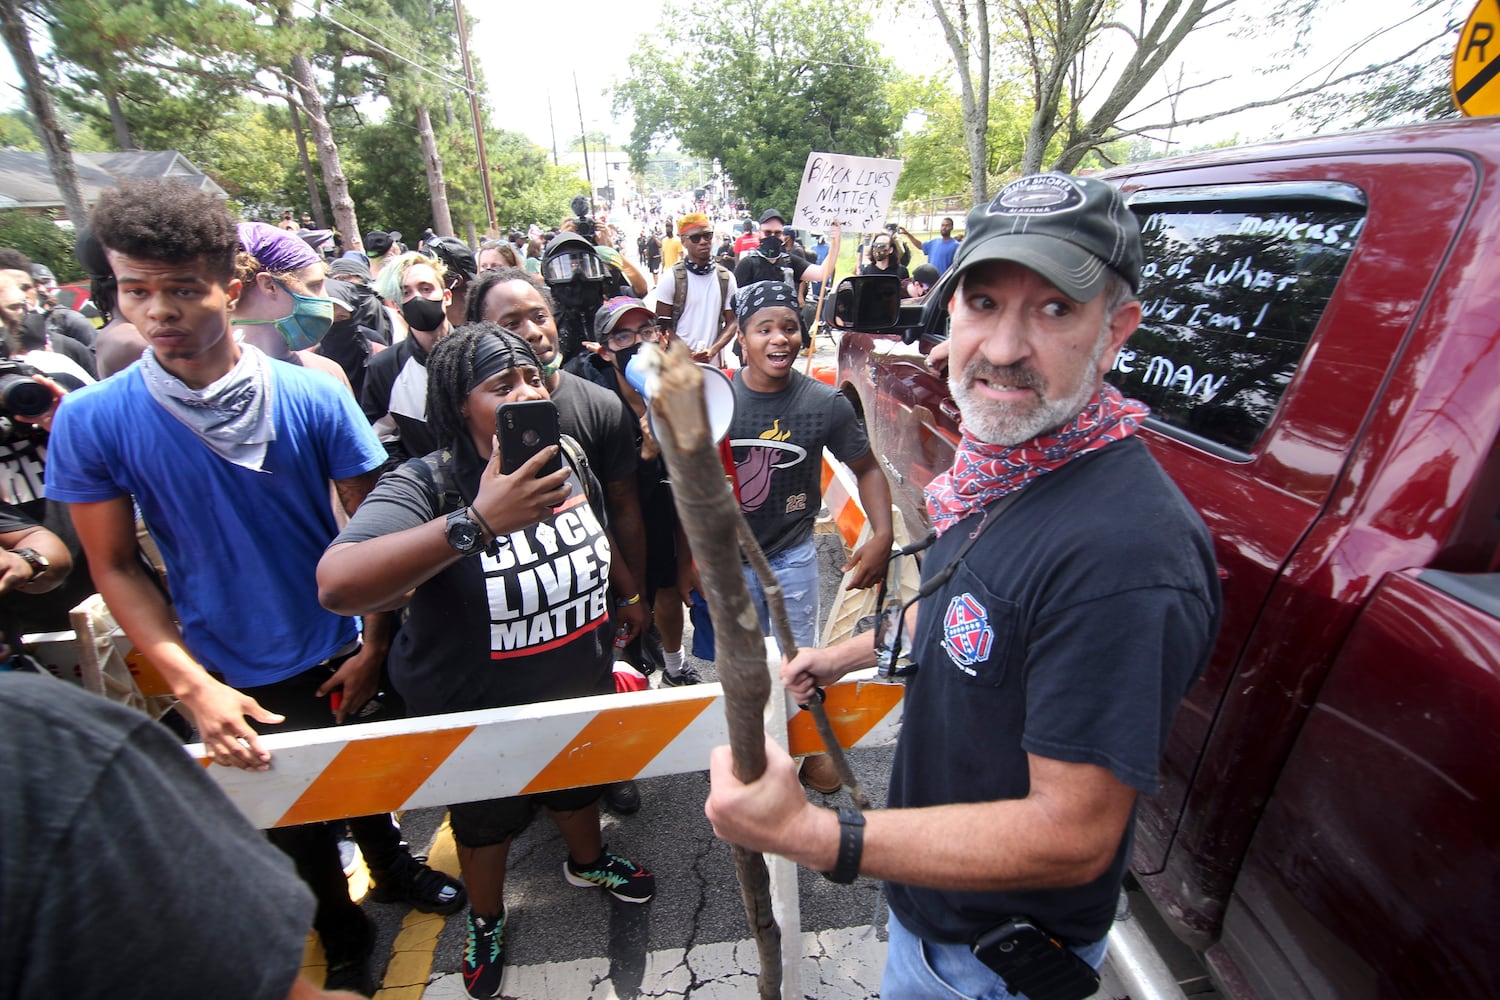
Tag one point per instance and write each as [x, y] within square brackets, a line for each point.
[983, 473]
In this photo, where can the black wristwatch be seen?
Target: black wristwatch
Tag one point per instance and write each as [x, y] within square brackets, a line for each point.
[464, 533]
[851, 846]
[39, 563]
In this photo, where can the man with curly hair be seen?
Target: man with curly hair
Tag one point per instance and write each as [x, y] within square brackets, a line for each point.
[228, 455]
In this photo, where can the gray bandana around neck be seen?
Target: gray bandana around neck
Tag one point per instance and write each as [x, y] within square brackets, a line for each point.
[232, 415]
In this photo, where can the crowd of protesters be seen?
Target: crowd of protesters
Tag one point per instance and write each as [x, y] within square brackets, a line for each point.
[290, 471]
[276, 459]
[186, 446]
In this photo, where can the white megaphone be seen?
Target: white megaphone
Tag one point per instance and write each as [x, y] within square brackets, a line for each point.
[718, 392]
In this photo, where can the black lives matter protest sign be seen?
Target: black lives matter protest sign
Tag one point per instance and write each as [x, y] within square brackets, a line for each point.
[853, 190]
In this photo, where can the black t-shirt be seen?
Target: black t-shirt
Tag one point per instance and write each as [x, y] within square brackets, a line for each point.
[601, 422]
[66, 322]
[394, 400]
[23, 464]
[1071, 630]
[754, 267]
[778, 440]
[529, 624]
[11, 519]
[897, 270]
[102, 816]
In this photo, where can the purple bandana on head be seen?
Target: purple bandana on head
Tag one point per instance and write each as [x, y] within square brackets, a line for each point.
[278, 250]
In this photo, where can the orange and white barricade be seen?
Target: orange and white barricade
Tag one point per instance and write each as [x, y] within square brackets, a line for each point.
[435, 760]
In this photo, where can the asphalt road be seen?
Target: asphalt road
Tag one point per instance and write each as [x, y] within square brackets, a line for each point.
[556, 927]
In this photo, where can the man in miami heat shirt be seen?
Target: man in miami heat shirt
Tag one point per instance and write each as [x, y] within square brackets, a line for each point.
[782, 422]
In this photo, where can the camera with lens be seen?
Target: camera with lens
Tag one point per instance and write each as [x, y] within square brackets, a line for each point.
[583, 222]
[20, 394]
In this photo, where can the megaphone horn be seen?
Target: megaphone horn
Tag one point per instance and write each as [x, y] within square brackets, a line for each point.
[644, 372]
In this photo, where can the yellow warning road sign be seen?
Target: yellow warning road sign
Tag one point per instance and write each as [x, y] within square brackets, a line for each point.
[1476, 62]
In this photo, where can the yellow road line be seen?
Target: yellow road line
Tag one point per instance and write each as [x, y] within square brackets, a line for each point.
[411, 953]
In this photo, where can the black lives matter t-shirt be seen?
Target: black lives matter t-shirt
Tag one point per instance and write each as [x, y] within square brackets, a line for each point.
[778, 440]
[529, 624]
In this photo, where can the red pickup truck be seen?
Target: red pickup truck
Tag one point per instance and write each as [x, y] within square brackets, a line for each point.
[1321, 351]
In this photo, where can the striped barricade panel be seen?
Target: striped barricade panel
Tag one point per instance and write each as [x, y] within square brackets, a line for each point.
[841, 497]
[437, 760]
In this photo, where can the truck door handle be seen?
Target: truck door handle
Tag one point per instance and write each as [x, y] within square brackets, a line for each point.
[950, 410]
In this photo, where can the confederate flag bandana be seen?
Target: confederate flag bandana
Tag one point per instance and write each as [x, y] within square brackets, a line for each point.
[983, 473]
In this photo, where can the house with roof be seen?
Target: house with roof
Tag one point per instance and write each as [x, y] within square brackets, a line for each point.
[26, 179]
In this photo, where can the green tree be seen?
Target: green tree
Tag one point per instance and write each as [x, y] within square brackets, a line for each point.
[935, 162]
[758, 84]
[530, 189]
[38, 236]
[39, 102]
[1414, 88]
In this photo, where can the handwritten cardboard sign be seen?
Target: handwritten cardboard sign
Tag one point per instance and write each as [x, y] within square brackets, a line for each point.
[853, 190]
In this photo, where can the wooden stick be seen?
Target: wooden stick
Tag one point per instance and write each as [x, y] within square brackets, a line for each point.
[708, 512]
[781, 625]
[812, 347]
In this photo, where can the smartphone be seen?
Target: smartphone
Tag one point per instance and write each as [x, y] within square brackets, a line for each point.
[525, 429]
[1033, 962]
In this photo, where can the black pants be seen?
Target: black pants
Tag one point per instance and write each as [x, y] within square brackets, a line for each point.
[314, 847]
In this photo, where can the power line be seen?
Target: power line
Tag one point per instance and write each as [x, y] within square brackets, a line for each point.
[316, 14]
[376, 29]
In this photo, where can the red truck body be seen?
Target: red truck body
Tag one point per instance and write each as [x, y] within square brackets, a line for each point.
[1329, 819]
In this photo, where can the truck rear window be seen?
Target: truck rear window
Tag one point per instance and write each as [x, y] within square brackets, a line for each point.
[1234, 284]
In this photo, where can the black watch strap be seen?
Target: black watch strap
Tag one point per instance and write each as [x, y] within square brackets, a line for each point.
[851, 846]
[39, 563]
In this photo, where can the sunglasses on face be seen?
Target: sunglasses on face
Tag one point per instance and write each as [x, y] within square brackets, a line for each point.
[698, 238]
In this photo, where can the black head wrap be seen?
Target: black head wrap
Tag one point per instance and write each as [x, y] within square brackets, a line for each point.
[496, 353]
[765, 295]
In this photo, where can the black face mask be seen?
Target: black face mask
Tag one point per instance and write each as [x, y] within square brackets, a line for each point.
[424, 315]
[771, 246]
[624, 354]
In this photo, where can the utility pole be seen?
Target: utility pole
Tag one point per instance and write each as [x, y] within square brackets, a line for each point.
[583, 137]
[484, 160]
[552, 124]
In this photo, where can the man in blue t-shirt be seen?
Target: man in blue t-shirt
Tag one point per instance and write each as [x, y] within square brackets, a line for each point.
[940, 251]
[229, 455]
[1068, 602]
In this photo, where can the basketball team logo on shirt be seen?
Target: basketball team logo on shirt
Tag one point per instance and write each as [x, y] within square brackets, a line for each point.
[967, 635]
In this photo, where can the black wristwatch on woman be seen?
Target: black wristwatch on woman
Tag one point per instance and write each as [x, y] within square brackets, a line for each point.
[464, 533]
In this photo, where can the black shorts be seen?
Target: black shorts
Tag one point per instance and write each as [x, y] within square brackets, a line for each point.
[659, 518]
[494, 821]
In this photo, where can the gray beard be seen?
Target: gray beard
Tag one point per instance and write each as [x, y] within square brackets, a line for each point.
[997, 424]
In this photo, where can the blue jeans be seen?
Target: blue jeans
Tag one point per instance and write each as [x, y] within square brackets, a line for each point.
[921, 970]
[796, 569]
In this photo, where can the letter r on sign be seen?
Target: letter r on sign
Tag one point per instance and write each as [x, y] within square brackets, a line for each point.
[1481, 36]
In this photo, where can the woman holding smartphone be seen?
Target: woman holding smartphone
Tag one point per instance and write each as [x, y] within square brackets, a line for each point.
[507, 582]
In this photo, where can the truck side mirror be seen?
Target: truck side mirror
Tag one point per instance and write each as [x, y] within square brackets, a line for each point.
[865, 302]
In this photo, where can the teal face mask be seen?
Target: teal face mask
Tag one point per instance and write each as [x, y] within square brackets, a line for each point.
[308, 323]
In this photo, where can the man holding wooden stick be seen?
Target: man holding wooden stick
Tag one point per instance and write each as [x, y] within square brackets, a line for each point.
[1054, 638]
